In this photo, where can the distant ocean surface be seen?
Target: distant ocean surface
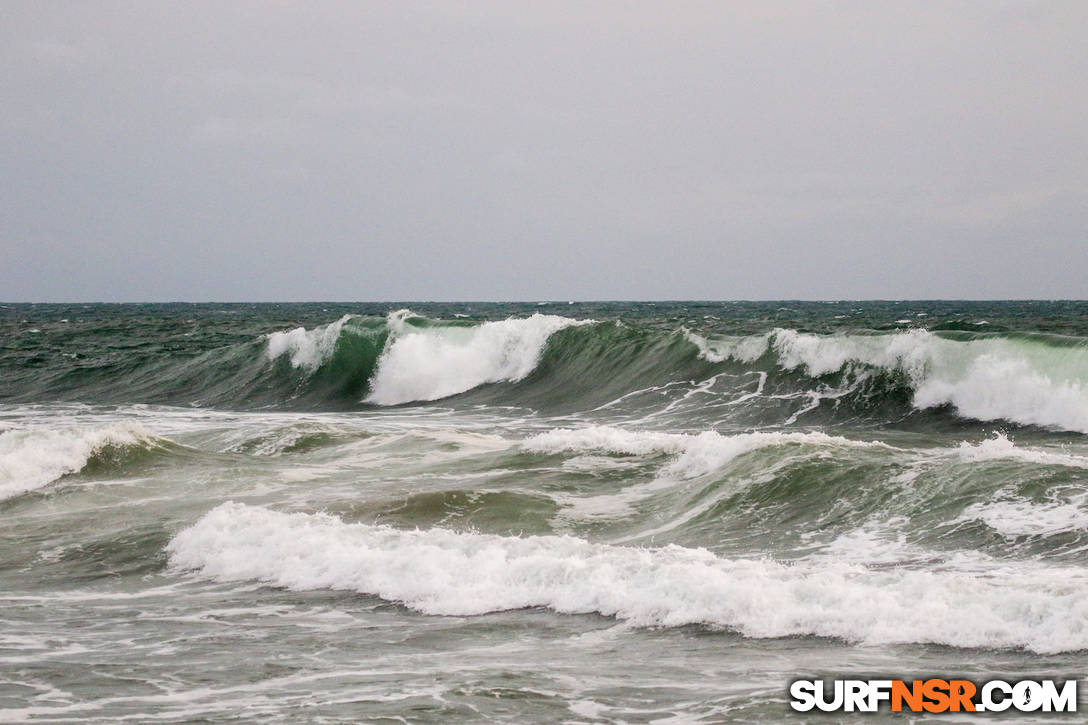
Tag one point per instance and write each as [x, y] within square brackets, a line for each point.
[533, 512]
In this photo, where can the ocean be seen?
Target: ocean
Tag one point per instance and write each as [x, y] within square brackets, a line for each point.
[534, 512]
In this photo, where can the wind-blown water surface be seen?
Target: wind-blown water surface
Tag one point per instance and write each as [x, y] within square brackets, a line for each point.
[624, 512]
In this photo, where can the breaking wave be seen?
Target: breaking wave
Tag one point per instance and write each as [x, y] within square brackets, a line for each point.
[440, 572]
[694, 454]
[1025, 379]
[33, 458]
[436, 362]
[307, 349]
[559, 365]
[1017, 517]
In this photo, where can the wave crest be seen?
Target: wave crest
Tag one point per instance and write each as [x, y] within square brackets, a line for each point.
[1024, 379]
[308, 349]
[441, 572]
[33, 458]
[695, 454]
[429, 363]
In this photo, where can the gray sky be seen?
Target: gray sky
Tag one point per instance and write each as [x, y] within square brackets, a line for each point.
[507, 150]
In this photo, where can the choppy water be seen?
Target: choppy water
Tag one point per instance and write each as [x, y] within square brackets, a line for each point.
[624, 512]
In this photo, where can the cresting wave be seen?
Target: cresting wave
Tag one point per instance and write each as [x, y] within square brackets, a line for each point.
[307, 348]
[441, 572]
[557, 364]
[33, 458]
[699, 453]
[1023, 379]
[423, 361]
[898, 482]
[437, 362]
[694, 454]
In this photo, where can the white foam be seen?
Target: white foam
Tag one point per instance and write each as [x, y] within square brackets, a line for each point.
[696, 454]
[995, 378]
[435, 362]
[741, 349]
[1036, 606]
[308, 348]
[1001, 448]
[31, 458]
[1018, 517]
[273, 438]
[819, 355]
[608, 439]
[996, 387]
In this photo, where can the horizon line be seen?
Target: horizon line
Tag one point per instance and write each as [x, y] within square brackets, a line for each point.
[537, 301]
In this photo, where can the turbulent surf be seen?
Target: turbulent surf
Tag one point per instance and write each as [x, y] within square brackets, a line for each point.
[489, 511]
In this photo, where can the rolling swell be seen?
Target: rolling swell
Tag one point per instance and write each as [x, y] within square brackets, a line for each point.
[785, 492]
[622, 371]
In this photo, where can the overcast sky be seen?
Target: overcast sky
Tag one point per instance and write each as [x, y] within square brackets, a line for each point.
[587, 150]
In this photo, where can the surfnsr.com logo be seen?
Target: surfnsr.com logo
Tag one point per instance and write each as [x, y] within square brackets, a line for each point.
[934, 695]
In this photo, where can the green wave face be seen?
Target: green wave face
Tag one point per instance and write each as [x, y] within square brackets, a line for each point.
[533, 512]
[683, 370]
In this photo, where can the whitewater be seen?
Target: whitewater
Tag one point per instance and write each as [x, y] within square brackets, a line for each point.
[539, 512]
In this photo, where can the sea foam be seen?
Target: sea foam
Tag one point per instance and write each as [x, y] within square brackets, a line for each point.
[1001, 448]
[35, 457]
[996, 378]
[307, 348]
[428, 363]
[1018, 517]
[441, 572]
[694, 454]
